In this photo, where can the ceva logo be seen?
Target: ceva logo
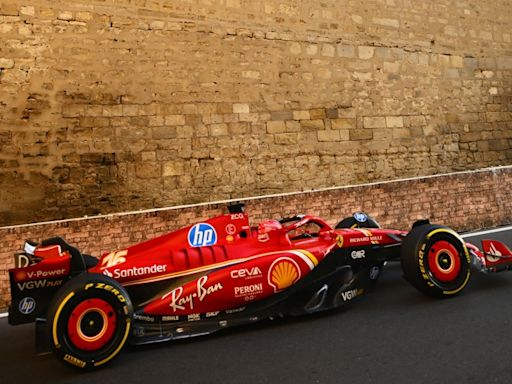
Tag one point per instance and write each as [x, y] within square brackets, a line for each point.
[201, 235]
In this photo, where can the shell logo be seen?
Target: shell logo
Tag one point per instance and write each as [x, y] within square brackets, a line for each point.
[283, 273]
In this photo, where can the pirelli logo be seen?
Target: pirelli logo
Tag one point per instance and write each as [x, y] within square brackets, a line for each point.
[108, 288]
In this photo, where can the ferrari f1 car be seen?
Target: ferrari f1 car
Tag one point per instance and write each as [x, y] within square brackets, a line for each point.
[223, 272]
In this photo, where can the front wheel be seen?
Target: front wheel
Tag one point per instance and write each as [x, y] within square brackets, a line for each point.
[435, 260]
[89, 321]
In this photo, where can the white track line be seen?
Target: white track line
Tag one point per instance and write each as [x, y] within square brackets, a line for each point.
[5, 314]
[501, 229]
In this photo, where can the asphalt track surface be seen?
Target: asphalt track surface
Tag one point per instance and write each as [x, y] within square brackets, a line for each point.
[392, 335]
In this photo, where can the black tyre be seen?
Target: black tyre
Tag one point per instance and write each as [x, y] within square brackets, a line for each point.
[435, 260]
[89, 321]
[358, 220]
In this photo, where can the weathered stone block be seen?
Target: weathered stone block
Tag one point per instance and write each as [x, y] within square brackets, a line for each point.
[301, 115]
[451, 73]
[184, 131]
[295, 48]
[504, 63]
[84, 16]
[27, 10]
[457, 61]
[253, 117]
[343, 123]
[361, 134]
[8, 9]
[312, 125]
[394, 121]
[318, 113]
[391, 67]
[238, 128]
[148, 170]
[312, 49]
[175, 120]
[281, 115]
[219, 130]
[276, 127]
[73, 110]
[251, 75]
[331, 113]
[392, 23]
[65, 16]
[285, 138]
[401, 133]
[365, 52]
[329, 135]
[347, 113]
[414, 121]
[240, 108]
[292, 126]
[374, 122]
[173, 168]
[112, 110]
[130, 110]
[164, 132]
[328, 50]
[384, 134]
[347, 51]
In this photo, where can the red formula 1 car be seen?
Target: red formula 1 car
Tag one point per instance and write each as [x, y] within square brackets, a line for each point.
[223, 272]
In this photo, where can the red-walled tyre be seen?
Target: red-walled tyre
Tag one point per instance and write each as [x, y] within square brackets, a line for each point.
[435, 260]
[89, 321]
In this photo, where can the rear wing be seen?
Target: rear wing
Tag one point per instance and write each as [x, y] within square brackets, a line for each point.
[494, 248]
[40, 270]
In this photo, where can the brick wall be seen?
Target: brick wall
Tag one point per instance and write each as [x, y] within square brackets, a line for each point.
[108, 106]
[464, 201]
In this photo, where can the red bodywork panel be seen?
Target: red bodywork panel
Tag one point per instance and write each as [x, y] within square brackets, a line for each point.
[54, 264]
[223, 263]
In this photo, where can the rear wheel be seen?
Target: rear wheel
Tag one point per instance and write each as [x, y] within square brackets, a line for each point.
[89, 321]
[435, 260]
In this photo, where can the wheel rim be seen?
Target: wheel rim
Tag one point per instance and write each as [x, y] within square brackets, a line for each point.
[92, 324]
[444, 261]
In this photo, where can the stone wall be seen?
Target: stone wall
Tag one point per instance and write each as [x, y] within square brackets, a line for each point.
[464, 201]
[107, 106]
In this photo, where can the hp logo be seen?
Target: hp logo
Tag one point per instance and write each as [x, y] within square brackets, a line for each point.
[360, 217]
[27, 305]
[202, 234]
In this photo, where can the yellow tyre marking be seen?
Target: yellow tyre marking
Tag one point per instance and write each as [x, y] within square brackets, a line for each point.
[432, 233]
[458, 289]
[107, 359]
[56, 318]
[310, 256]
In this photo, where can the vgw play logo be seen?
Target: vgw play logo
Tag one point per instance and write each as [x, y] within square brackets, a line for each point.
[201, 235]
